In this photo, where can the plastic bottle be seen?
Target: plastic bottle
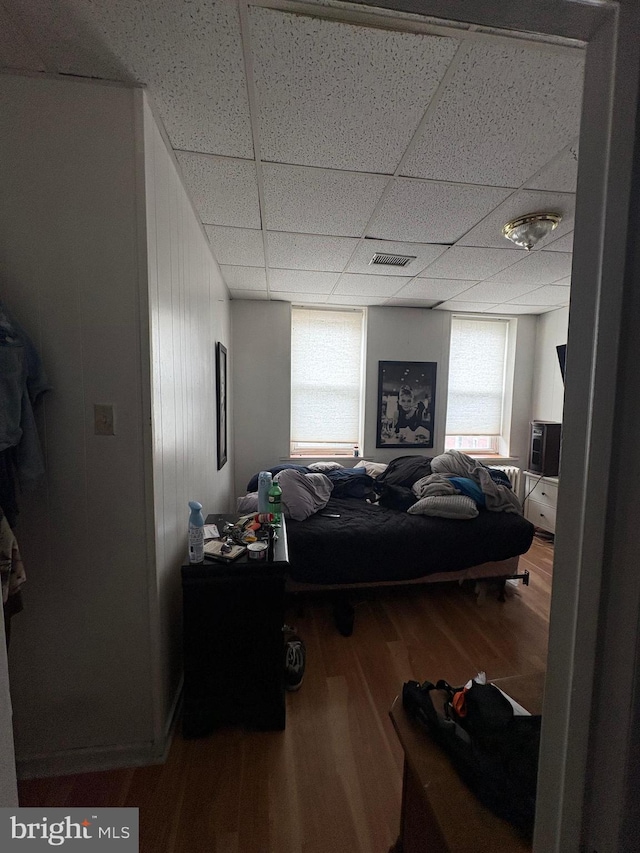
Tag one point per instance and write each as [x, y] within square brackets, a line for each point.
[275, 503]
[196, 533]
[264, 484]
[356, 451]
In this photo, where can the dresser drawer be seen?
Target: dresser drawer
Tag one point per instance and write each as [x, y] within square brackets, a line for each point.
[541, 514]
[544, 492]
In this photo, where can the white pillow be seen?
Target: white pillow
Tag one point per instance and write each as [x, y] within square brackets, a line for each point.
[446, 506]
[373, 469]
[324, 466]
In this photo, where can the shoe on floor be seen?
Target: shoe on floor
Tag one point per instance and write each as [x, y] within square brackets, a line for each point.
[294, 660]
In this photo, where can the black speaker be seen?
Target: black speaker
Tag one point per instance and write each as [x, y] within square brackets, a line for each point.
[544, 448]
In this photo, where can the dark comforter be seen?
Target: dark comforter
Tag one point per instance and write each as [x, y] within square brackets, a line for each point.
[371, 544]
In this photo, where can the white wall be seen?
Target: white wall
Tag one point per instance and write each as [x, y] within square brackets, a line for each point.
[261, 367]
[69, 230]
[405, 334]
[189, 313]
[107, 267]
[262, 376]
[548, 387]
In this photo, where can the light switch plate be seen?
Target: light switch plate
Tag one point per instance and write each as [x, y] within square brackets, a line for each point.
[103, 419]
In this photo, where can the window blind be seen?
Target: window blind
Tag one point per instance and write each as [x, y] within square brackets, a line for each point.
[476, 376]
[326, 376]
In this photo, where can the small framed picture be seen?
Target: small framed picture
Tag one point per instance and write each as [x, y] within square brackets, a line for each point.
[221, 398]
[406, 403]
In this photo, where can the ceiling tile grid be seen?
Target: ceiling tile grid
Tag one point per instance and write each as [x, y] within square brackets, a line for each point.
[466, 307]
[225, 192]
[361, 100]
[492, 291]
[434, 288]
[369, 285]
[236, 246]
[189, 55]
[302, 281]
[309, 251]
[244, 278]
[505, 112]
[552, 294]
[471, 263]
[319, 201]
[560, 175]
[432, 212]
[336, 108]
[537, 268]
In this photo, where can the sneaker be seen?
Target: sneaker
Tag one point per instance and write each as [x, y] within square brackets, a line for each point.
[294, 660]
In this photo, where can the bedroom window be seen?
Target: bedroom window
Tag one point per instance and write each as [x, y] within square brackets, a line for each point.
[477, 393]
[326, 381]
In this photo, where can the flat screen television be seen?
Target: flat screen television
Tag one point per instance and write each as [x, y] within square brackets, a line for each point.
[561, 349]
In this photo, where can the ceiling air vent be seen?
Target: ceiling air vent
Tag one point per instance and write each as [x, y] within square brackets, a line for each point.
[391, 260]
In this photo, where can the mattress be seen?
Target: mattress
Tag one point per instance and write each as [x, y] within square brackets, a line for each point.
[373, 544]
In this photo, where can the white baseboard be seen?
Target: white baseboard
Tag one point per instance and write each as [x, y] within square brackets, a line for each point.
[92, 759]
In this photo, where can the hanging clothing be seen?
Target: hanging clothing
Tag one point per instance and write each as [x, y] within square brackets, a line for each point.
[12, 574]
[22, 382]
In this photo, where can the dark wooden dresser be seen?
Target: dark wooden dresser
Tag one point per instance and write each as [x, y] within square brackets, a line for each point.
[233, 643]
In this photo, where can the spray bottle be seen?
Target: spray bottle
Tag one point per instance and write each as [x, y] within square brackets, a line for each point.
[196, 533]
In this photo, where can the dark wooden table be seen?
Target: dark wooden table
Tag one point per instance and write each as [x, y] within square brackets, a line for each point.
[233, 646]
[439, 813]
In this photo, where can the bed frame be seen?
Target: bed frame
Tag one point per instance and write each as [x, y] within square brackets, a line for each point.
[344, 612]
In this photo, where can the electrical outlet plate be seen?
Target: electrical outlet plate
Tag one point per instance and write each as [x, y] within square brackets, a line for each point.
[103, 419]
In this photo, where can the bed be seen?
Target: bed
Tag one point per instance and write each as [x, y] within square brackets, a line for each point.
[351, 542]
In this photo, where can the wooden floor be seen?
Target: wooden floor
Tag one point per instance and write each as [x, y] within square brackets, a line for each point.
[332, 780]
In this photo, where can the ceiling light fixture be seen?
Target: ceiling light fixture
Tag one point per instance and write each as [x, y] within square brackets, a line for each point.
[528, 230]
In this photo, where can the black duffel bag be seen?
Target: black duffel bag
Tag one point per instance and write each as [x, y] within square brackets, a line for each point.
[494, 751]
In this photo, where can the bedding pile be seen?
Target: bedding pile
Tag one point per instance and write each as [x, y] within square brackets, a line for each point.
[452, 485]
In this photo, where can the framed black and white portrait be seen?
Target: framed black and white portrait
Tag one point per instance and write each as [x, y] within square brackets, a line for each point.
[406, 403]
[221, 399]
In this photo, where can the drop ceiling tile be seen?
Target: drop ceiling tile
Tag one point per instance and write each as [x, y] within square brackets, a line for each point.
[362, 90]
[188, 55]
[424, 254]
[552, 294]
[467, 307]
[300, 298]
[370, 285]
[493, 291]
[248, 294]
[434, 288]
[510, 308]
[244, 278]
[411, 303]
[309, 251]
[225, 192]
[319, 201]
[488, 232]
[432, 212]
[470, 263]
[506, 111]
[337, 299]
[562, 244]
[560, 174]
[563, 281]
[537, 268]
[237, 246]
[302, 281]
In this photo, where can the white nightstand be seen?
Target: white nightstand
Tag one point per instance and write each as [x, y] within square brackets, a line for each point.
[541, 500]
